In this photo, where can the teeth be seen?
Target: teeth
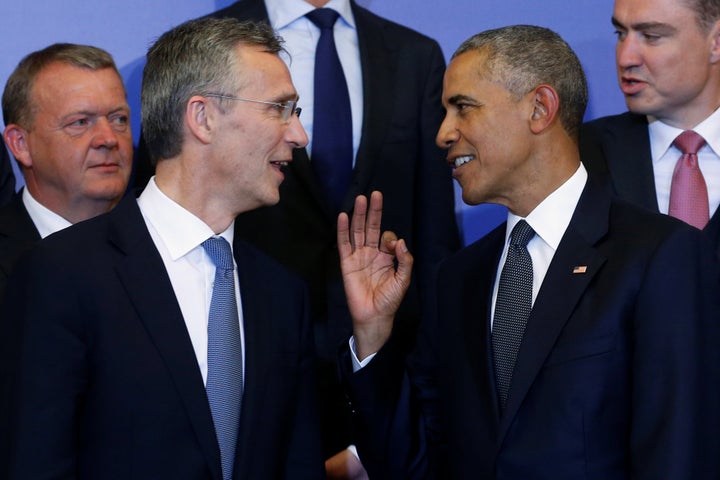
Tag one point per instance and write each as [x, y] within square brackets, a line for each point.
[283, 164]
[462, 160]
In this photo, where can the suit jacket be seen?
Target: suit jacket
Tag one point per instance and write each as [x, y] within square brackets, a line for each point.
[7, 177]
[616, 376]
[402, 83]
[105, 383]
[618, 146]
[17, 235]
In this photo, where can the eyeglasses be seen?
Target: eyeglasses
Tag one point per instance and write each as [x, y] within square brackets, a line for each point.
[286, 108]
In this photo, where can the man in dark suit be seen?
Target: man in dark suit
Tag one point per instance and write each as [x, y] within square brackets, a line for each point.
[394, 78]
[7, 178]
[668, 62]
[131, 355]
[585, 346]
[71, 139]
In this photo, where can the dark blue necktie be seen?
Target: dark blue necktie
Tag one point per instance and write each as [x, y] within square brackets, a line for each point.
[225, 363]
[512, 307]
[332, 143]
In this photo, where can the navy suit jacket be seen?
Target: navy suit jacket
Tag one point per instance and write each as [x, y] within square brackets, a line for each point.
[617, 375]
[104, 379]
[618, 146]
[17, 235]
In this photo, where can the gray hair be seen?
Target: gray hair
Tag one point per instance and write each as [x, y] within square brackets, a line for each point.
[195, 58]
[707, 12]
[17, 105]
[522, 57]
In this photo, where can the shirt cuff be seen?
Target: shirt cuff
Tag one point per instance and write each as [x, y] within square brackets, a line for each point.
[357, 364]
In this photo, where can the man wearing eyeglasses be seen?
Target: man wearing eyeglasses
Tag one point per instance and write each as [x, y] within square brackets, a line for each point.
[159, 345]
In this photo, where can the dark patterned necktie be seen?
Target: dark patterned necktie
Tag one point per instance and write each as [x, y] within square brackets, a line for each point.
[512, 307]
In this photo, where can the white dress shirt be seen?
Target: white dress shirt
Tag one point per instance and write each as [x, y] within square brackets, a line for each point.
[287, 17]
[46, 221]
[549, 219]
[665, 156]
[178, 235]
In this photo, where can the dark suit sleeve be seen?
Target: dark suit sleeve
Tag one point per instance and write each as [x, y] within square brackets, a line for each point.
[676, 367]
[389, 424]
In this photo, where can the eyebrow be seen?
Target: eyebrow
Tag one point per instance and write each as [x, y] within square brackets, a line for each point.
[455, 99]
[645, 26]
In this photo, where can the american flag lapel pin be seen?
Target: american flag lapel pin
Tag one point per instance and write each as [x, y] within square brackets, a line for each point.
[580, 269]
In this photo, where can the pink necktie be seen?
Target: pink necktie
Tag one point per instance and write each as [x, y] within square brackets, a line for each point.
[688, 192]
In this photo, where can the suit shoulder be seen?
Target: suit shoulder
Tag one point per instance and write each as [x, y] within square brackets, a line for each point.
[394, 30]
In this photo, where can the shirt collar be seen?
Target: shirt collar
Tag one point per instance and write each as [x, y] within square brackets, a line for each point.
[46, 221]
[552, 216]
[282, 13]
[179, 230]
[662, 135]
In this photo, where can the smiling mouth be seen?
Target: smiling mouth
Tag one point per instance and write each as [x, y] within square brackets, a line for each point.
[280, 164]
[460, 161]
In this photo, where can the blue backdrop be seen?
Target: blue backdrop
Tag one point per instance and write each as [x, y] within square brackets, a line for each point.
[126, 28]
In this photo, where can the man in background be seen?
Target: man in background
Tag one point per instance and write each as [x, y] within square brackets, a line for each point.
[67, 122]
[664, 153]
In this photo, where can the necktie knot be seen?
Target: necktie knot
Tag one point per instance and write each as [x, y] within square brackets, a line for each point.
[521, 234]
[689, 142]
[323, 18]
[219, 251]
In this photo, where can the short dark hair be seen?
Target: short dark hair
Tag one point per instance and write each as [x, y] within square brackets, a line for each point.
[16, 101]
[195, 58]
[521, 57]
[707, 12]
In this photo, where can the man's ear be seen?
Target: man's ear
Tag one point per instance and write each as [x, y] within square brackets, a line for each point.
[16, 140]
[198, 118]
[715, 43]
[545, 108]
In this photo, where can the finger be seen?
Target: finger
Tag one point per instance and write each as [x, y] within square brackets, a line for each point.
[388, 242]
[405, 263]
[357, 223]
[374, 218]
[343, 235]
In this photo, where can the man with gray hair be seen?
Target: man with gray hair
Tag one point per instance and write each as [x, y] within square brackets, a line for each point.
[578, 340]
[668, 67]
[150, 342]
[67, 122]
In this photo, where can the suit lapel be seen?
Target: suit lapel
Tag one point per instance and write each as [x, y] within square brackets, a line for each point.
[627, 152]
[560, 292]
[476, 299]
[256, 296]
[139, 267]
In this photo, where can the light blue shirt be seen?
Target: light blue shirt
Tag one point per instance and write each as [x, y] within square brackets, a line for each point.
[287, 17]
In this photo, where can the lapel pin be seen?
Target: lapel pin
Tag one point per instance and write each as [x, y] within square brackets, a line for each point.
[580, 269]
